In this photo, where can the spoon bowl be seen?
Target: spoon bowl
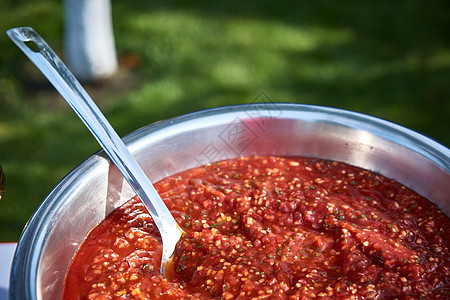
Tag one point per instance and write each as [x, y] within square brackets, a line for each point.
[71, 90]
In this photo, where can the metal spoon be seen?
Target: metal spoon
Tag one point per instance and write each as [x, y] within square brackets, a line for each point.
[67, 85]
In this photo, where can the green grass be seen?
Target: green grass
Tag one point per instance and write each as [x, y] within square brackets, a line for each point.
[390, 59]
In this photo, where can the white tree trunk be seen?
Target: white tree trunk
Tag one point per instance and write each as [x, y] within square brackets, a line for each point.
[89, 39]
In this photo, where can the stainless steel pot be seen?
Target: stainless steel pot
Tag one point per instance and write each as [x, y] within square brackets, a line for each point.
[93, 189]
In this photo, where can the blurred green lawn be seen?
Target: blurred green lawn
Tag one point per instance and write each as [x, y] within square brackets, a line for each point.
[390, 59]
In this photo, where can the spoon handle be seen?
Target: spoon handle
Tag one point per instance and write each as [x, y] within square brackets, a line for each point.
[72, 91]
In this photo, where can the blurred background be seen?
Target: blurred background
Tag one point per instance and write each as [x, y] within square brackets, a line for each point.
[390, 59]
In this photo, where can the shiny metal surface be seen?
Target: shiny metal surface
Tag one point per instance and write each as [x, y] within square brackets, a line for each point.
[68, 86]
[93, 189]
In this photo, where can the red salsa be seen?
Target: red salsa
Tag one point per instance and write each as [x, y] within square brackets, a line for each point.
[272, 227]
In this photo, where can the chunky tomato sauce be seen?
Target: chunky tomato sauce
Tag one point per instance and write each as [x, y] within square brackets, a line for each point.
[272, 227]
